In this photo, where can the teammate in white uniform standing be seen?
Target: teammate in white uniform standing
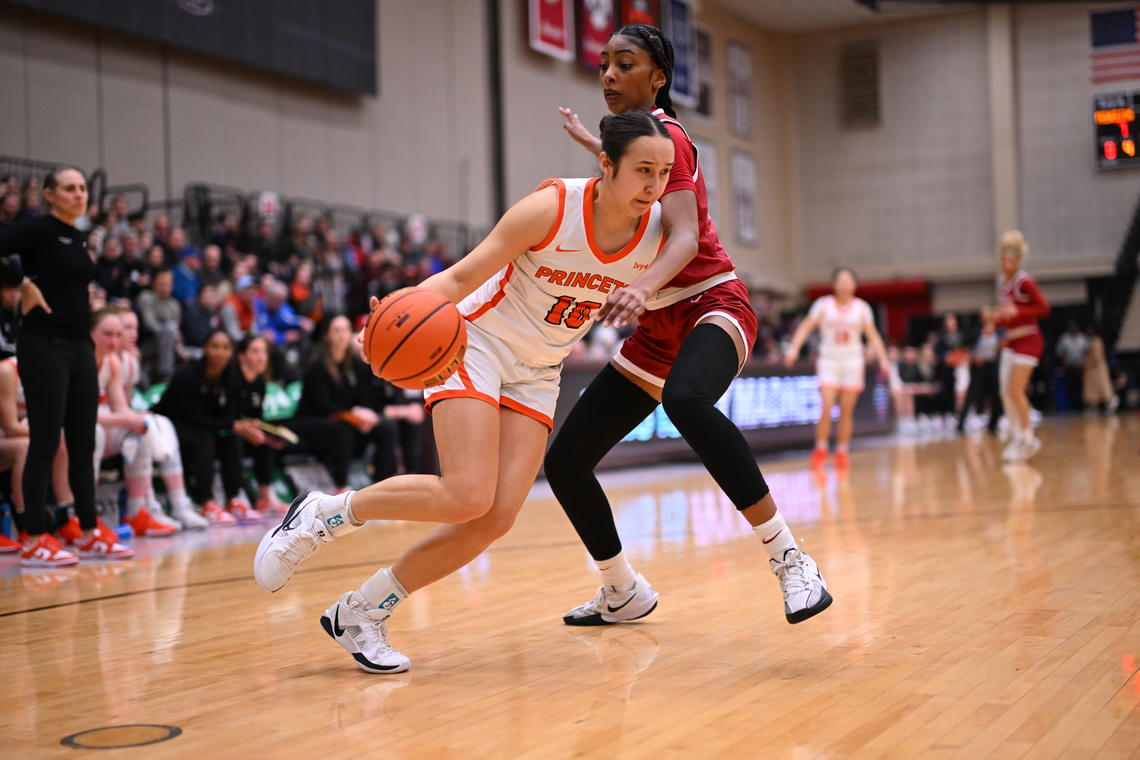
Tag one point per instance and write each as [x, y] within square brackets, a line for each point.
[842, 320]
[529, 293]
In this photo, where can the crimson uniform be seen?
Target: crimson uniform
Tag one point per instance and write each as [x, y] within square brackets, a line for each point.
[706, 287]
[1022, 333]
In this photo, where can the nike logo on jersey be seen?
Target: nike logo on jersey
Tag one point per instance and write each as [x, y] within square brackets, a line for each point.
[64, 240]
[587, 280]
[560, 249]
[627, 601]
[694, 299]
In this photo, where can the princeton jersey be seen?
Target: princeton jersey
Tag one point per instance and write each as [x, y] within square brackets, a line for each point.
[108, 373]
[544, 302]
[712, 264]
[841, 327]
[130, 371]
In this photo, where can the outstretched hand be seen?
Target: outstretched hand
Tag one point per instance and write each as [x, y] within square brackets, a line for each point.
[622, 307]
[578, 131]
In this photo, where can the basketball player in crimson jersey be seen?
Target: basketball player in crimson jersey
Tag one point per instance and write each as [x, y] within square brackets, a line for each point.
[842, 320]
[696, 328]
[1020, 305]
[529, 292]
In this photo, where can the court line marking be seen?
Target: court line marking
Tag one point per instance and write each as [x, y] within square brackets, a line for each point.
[532, 547]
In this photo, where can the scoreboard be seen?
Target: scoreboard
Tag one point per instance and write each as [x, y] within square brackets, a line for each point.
[1114, 118]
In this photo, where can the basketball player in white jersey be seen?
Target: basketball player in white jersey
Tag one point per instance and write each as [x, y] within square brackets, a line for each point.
[843, 320]
[529, 292]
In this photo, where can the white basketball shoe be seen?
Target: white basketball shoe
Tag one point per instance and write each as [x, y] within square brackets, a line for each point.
[307, 524]
[363, 632]
[805, 591]
[611, 606]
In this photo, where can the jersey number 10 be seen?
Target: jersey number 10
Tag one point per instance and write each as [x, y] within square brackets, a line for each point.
[579, 313]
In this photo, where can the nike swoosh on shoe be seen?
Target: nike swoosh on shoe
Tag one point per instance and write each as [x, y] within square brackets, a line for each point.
[336, 623]
[623, 604]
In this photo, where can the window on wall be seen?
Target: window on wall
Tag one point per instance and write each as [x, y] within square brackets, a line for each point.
[859, 84]
[706, 158]
[743, 170]
[740, 89]
[704, 45]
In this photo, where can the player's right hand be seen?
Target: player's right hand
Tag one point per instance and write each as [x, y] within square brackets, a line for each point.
[790, 359]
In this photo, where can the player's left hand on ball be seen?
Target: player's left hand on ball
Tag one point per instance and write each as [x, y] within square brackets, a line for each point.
[622, 307]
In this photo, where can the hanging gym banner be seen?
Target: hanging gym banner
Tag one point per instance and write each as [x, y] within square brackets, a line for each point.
[677, 17]
[597, 20]
[552, 28]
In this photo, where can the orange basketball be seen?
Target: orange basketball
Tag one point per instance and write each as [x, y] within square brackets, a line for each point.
[415, 338]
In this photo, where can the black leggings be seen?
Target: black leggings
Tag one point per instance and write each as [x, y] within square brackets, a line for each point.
[61, 390]
[335, 443]
[201, 447]
[612, 406]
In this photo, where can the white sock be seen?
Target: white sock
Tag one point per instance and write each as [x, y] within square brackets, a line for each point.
[617, 572]
[134, 504]
[383, 591]
[776, 536]
[348, 508]
[336, 514]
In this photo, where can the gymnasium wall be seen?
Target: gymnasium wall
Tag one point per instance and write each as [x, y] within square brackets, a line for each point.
[1073, 215]
[72, 93]
[911, 196]
[915, 195]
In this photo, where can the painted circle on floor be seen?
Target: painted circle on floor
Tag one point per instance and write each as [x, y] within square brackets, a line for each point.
[121, 737]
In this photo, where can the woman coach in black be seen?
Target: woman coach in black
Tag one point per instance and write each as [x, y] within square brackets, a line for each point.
[57, 366]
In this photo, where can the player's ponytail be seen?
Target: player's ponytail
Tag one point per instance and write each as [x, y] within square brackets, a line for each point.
[618, 130]
[653, 41]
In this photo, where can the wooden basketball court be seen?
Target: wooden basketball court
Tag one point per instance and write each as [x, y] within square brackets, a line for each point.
[980, 611]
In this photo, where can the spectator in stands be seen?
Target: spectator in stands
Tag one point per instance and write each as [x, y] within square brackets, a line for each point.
[111, 272]
[330, 283]
[984, 389]
[10, 318]
[31, 205]
[227, 236]
[186, 280]
[335, 415]
[160, 230]
[120, 224]
[918, 374]
[263, 245]
[9, 183]
[1072, 350]
[252, 380]
[9, 209]
[952, 364]
[154, 262]
[175, 245]
[1097, 381]
[161, 315]
[212, 272]
[302, 297]
[201, 401]
[199, 319]
[281, 327]
[238, 309]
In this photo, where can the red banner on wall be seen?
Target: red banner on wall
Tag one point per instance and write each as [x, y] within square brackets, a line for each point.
[641, 12]
[597, 20]
[552, 28]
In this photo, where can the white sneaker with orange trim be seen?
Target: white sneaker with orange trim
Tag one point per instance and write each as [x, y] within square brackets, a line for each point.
[271, 505]
[146, 523]
[9, 546]
[46, 551]
[244, 513]
[104, 544]
[216, 516]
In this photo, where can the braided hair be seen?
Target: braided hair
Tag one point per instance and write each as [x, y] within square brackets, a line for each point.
[653, 41]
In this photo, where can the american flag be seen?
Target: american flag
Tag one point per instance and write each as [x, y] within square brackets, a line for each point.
[1115, 45]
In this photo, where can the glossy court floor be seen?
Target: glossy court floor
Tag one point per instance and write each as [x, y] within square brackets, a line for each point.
[980, 611]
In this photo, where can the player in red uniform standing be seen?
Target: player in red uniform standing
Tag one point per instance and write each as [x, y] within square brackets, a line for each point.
[1020, 305]
[696, 328]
